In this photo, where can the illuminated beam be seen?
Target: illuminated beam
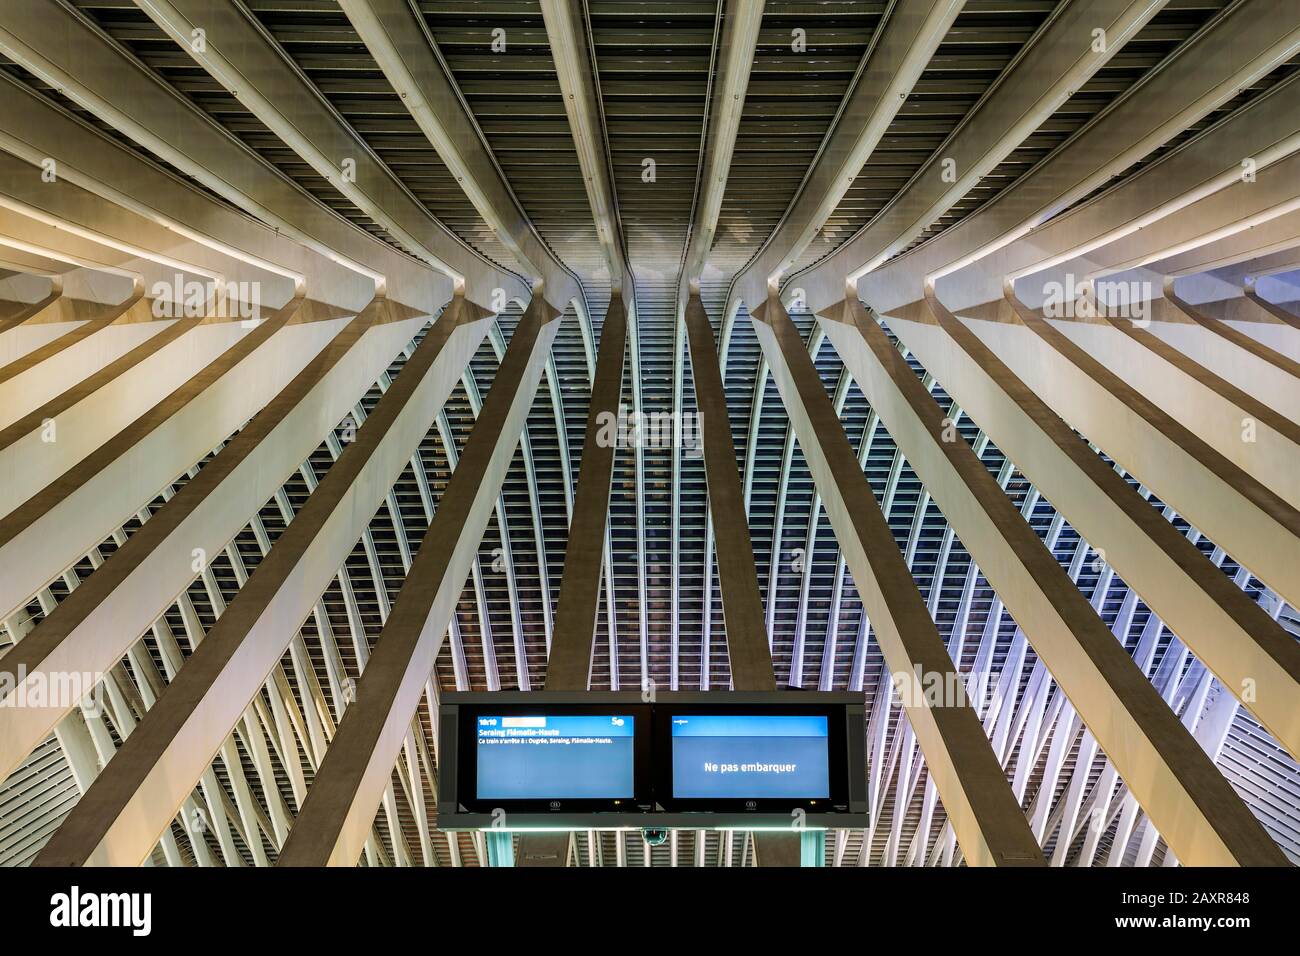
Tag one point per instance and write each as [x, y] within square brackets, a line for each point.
[989, 823]
[341, 802]
[1255, 525]
[894, 61]
[1060, 58]
[109, 332]
[1248, 433]
[1224, 627]
[399, 39]
[1242, 331]
[1236, 49]
[244, 58]
[83, 462]
[63, 48]
[131, 191]
[138, 241]
[45, 443]
[1275, 238]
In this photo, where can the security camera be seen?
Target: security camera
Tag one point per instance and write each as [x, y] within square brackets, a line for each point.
[655, 836]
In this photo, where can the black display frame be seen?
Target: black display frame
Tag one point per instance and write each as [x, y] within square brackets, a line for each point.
[467, 758]
[459, 808]
[836, 757]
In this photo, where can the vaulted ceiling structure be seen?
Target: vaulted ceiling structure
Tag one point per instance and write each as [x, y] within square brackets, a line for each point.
[1000, 300]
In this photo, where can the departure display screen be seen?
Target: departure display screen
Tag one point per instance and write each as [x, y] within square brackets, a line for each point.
[555, 757]
[750, 756]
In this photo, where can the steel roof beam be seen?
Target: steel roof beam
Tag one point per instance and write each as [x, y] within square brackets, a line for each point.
[91, 629]
[1266, 132]
[63, 48]
[1203, 231]
[1192, 804]
[1224, 627]
[894, 61]
[241, 55]
[1175, 186]
[1213, 493]
[569, 664]
[78, 211]
[39, 376]
[110, 331]
[567, 31]
[29, 265]
[119, 820]
[1063, 55]
[1232, 52]
[32, 128]
[341, 803]
[102, 281]
[991, 826]
[741, 20]
[399, 39]
[91, 413]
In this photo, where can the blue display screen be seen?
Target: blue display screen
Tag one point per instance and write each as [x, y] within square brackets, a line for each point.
[578, 757]
[750, 756]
